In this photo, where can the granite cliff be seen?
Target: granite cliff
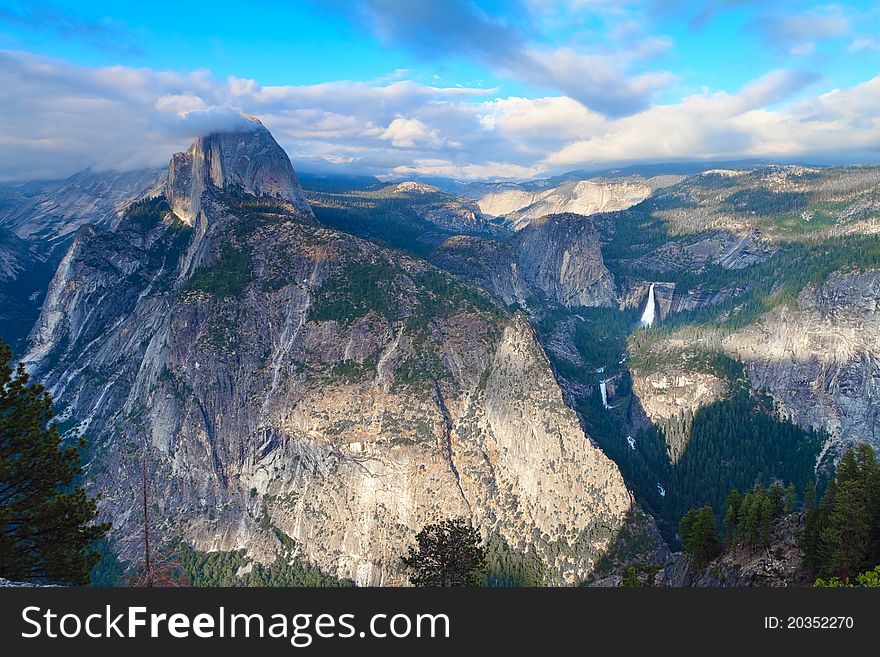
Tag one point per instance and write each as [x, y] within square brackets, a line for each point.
[555, 258]
[821, 358]
[289, 380]
[521, 204]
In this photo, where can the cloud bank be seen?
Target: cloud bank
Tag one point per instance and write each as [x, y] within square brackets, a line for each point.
[58, 118]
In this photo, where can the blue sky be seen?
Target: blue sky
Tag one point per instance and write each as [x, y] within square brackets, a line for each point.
[460, 88]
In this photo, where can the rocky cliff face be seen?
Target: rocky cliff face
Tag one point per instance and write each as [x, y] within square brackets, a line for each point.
[561, 256]
[557, 258]
[15, 253]
[520, 206]
[672, 379]
[446, 212]
[779, 564]
[673, 299]
[666, 394]
[280, 375]
[47, 214]
[37, 223]
[249, 160]
[410, 216]
[694, 252]
[821, 360]
[18, 298]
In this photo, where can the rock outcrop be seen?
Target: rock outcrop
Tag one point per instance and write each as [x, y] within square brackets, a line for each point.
[556, 258]
[521, 206]
[717, 247]
[38, 220]
[249, 159]
[673, 299]
[665, 395]
[821, 360]
[779, 564]
[48, 214]
[446, 212]
[560, 255]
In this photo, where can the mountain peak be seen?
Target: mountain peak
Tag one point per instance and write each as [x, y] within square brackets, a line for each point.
[248, 158]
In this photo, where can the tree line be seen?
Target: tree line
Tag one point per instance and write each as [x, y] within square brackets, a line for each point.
[842, 533]
[840, 537]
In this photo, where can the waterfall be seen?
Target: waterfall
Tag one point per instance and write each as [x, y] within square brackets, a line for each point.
[650, 308]
[604, 393]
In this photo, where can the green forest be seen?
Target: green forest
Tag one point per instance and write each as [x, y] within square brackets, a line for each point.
[386, 216]
[736, 442]
[796, 263]
[840, 535]
[223, 568]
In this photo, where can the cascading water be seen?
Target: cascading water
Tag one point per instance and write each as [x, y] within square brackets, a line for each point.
[647, 319]
[650, 307]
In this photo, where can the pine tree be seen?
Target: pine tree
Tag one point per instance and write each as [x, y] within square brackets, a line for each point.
[756, 518]
[699, 534]
[845, 538]
[631, 578]
[842, 535]
[766, 515]
[47, 521]
[449, 554]
[810, 496]
[731, 515]
[789, 499]
[776, 495]
[816, 520]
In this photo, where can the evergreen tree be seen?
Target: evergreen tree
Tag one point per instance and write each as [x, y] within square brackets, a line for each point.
[810, 496]
[747, 533]
[869, 579]
[841, 534]
[789, 499]
[47, 529]
[699, 534]
[449, 554]
[845, 537]
[631, 578]
[766, 515]
[777, 499]
[731, 515]
[816, 520]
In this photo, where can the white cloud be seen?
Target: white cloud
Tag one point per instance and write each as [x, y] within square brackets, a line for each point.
[449, 169]
[864, 43]
[838, 126]
[179, 104]
[605, 80]
[57, 118]
[409, 133]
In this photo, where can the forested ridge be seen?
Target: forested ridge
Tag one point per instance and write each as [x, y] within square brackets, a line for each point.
[839, 535]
